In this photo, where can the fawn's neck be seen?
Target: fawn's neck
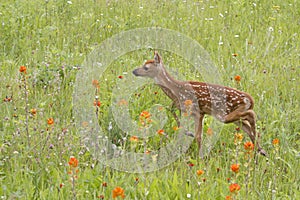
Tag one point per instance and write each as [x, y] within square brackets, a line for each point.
[165, 80]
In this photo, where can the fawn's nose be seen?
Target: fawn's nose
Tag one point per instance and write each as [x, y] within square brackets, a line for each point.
[135, 72]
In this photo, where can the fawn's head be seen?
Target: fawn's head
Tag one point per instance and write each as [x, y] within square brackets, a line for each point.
[151, 68]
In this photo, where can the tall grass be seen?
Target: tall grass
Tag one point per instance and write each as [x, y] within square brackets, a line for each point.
[257, 40]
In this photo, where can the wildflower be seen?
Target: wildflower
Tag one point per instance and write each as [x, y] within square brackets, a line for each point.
[50, 121]
[200, 172]
[145, 118]
[134, 139]
[188, 103]
[237, 128]
[23, 69]
[175, 128]
[249, 146]
[7, 99]
[160, 132]
[234, 54]
[61, 185]
[188, 196]
[275, 142]
[238, 137]
[97, 103]
[145, 114]
[120, 77]
[234, 187]
[147, 152]
[104, 184]
[204, 179]
[33, 111]
[228, 197]
[95, 83]
[136, 181]
[237, 78]
[73, 162]
[235, 168]
[209, 131]
[118, 191]
[191, 165]
[122, 102]
[100, 196]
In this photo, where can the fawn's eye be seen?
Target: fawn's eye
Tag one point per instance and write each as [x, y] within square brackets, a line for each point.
[146, 68]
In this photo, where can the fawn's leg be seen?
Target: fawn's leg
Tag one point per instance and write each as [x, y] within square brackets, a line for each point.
[198, 130]
[173, 111]
[248, 125]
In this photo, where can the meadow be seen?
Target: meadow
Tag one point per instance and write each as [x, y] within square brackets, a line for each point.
[254, 46]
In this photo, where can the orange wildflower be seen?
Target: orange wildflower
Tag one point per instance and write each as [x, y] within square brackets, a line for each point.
[145, 114]
[235, 54]
[199, 172]
[160, 132]
[237, 78]
[188, 103]
[234, 187]
[147, 152]
[122, 102]
[50, 121]
[134, 139]
[33, 111]
[23, 69]
[73, 162]
[235, 168]
[175, 128]
[228, 198]
[209, 131]
[249, 146]
[95, 83]
[275, 141]
[118, 191]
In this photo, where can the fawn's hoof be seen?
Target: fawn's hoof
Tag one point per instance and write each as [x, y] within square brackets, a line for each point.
[262, 152]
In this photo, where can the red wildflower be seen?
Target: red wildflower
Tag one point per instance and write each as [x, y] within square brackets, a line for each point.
[191, 164]
[97, 103]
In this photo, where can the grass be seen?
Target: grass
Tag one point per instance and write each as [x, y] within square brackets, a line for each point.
[257, 40]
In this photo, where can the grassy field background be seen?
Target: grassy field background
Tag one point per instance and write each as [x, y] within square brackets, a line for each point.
[257, 40]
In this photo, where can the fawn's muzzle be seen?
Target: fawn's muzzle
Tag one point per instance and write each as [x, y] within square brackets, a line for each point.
[135, 72]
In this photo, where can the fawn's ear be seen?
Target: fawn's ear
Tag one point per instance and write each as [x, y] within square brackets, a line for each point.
[157, 58]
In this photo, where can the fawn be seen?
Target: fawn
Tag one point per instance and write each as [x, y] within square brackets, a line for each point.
[226, 104]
